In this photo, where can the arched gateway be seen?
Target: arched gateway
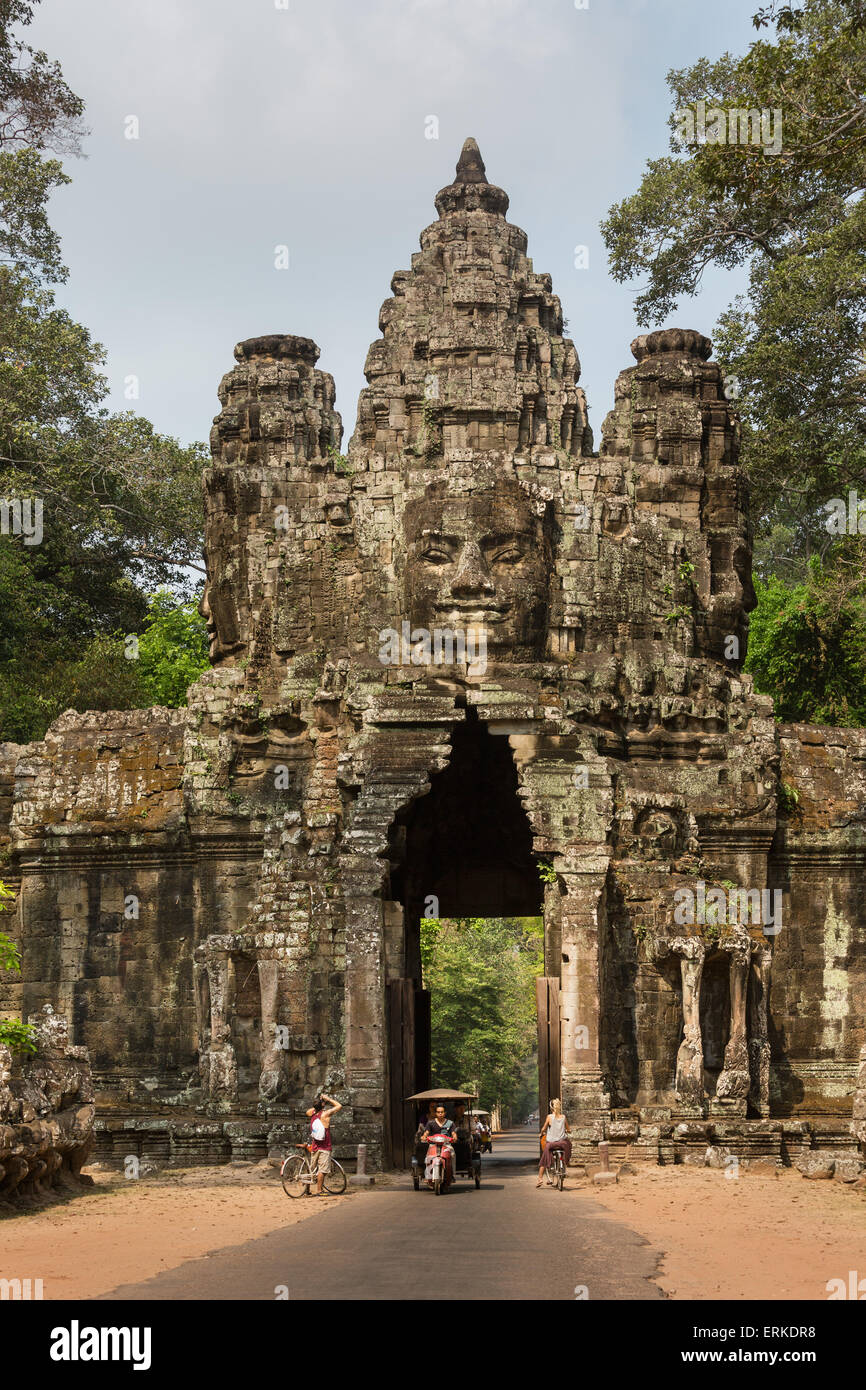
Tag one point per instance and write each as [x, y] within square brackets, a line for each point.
[469, 647]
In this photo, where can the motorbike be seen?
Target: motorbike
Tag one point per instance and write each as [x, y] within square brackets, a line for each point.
[429, 1166]
[438, 1172]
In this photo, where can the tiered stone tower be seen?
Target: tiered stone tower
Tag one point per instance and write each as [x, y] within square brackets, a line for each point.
[471, 664]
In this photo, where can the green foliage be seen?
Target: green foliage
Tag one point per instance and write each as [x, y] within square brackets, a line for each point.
[807, 647]
[13, 1034]
[546, 871]
[340, 461]
[28, 244]
[172, 650]
[10, 958]
[676, 614]
[797, 221]
[121, 504]
[481, 974]
[17, 1036]
[787, 18]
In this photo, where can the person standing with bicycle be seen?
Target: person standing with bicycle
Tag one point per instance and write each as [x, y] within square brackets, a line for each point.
[556, 1127]
[320, 1136]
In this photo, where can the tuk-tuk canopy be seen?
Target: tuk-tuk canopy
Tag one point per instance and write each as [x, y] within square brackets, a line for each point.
[443, 1094]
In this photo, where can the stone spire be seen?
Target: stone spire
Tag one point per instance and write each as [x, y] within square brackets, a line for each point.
[470, 189]
[277, 429]
[470, 165]
[472, 354]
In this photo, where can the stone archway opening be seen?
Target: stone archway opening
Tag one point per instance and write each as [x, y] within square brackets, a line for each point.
[715, 1014]
[464, 850]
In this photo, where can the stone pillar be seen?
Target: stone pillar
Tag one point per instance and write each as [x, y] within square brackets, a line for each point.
[365, 1002]
[858, 1123]
[365, 1049]
[552, 929]
[732, 1088]
[273, 1052]
[221, 1067]
[690, 1057]
[583, 1091]
[759, 1042]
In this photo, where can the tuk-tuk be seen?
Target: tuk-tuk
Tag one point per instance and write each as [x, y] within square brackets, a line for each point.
[486, 1140]
[428, 1165]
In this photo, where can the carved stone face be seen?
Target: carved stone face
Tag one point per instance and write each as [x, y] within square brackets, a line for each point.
[616, 516]
[337, 511]
[657, 833]
[269, 757]
[479, 561]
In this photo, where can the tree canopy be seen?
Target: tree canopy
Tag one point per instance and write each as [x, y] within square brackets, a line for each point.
[119, 503]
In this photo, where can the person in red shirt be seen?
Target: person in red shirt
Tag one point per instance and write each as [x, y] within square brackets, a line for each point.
[320, 1136]
[439, 1125]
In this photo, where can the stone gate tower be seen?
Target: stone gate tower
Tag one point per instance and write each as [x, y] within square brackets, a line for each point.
[470, 662]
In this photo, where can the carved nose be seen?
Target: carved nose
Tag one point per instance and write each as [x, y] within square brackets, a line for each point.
[472, 577]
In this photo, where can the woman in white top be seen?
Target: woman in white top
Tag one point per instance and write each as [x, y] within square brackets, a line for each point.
[556, 1127]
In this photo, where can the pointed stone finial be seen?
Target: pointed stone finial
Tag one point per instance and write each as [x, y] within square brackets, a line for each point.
[470, 165]
[470, 188]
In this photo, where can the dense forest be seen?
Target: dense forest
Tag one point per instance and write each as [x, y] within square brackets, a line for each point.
[481, 975]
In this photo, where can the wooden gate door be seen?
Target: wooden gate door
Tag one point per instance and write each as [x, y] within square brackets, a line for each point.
[549, 1068]
[408, 1062]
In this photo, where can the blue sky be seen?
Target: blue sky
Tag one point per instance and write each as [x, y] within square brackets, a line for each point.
[302, 123]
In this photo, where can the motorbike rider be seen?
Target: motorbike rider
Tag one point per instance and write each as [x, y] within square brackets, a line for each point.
[439, 1125]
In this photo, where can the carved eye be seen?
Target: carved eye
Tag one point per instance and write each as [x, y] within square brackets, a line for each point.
[435, 555]
[510, 555]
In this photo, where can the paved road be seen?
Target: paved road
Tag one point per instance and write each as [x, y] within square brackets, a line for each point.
[505, 1240]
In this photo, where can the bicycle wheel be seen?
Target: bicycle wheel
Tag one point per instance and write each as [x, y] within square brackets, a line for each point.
[296, 1176]
[560, 1173]
[335, 1181]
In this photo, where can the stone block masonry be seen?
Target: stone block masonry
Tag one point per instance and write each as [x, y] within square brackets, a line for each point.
[224, 901]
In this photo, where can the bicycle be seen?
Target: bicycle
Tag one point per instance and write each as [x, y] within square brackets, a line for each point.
[557, 1167]
[298, 1174]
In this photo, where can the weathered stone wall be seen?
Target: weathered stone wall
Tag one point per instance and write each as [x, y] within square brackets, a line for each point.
[107, 901]
[819, 860]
